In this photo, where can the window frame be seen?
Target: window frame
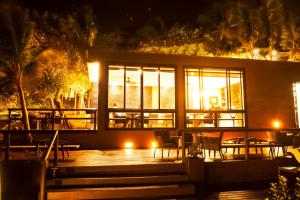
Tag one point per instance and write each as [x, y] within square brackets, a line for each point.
[229, 109]
[141, 110]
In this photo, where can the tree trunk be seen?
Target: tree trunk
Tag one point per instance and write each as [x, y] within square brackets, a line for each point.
[25, 116]
[52, 103]
[59, 105]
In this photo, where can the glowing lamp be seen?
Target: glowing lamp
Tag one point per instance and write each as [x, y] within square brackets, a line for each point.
[276, 124]
[93, 69]
[274, 55]
[128, 145]
[153, 144]
[256, 53]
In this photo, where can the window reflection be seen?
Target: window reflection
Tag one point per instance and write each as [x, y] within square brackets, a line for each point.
[159, 120]
[167, 89]
[133, 91]
[116, 87]
[214, 119]
[151, 91]
[124, 120]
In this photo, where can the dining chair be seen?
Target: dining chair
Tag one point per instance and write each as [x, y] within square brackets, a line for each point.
[188, 139]
[165, 141]
[213, 144]
[280, 139]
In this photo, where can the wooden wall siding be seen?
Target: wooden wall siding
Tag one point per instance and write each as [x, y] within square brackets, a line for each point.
[268, 93]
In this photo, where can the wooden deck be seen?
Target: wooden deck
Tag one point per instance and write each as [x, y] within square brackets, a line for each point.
[135, 172]
[112, 157]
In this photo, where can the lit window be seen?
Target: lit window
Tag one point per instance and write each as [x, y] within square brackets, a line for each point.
[141, 97]
[214, 97]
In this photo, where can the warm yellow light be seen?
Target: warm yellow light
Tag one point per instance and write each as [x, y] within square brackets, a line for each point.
[276, 124]
[93, 69]
[274, 55]
[129, 152]
[256, 53]
[128, 145]
[153, 144]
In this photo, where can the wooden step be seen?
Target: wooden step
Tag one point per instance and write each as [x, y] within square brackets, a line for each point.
[240, 194]
[122, 169]
[157, 191]
[116, 181]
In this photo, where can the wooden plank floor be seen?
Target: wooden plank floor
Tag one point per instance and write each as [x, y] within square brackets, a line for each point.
[239, 195]
[132, 156]
[105, 157]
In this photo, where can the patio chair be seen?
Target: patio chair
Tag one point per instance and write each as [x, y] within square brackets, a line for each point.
[213, 144]
[188, 139]
[280, 139]
[296, 141]
[166, 141]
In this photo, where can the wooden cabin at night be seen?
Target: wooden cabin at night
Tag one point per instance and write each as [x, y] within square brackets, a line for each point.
[136, 93]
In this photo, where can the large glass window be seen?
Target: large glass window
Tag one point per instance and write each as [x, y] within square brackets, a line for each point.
[141, 97]
[214, 97]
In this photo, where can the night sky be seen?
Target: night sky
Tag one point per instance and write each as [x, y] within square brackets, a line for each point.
[130, 14]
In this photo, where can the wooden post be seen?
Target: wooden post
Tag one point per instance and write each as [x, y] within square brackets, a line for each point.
[56, 153]
[53, 118]
[95, 118]
[183, 144]
[7, 137]
[246, 145]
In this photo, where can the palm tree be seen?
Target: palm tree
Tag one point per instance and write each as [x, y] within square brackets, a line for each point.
[274, 20]
[250, 26]
[80, 30]
[21, 50]
[290, 38]
[221, 26]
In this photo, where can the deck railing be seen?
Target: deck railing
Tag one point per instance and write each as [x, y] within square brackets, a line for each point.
[44, 162]
[50, 119]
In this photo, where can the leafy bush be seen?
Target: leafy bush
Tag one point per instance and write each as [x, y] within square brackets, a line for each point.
[281, 190]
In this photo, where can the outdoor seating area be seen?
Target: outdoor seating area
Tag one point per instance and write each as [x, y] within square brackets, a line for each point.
[213, 145]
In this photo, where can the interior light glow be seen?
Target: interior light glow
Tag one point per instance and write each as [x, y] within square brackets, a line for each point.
[93, 69]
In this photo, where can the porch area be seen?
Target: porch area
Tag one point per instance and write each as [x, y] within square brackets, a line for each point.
[135, 173]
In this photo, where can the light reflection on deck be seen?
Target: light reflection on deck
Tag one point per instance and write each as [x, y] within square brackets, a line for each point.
[134, 157]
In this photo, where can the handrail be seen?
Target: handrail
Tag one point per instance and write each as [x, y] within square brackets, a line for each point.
[46, 156]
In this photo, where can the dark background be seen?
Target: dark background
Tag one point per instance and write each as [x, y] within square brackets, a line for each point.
[133, 13]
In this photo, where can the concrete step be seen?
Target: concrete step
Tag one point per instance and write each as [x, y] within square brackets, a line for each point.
[156, 191]
[115, 181]
[120, 170]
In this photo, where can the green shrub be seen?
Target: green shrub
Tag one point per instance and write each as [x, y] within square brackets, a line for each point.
[281, 190]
